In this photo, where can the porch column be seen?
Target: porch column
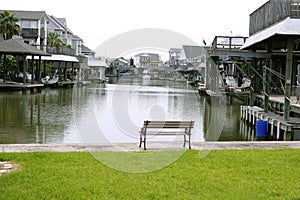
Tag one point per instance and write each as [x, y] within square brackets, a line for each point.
[266, 80]
[288, 78]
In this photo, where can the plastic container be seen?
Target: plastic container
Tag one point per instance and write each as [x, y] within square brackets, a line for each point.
[261, 128]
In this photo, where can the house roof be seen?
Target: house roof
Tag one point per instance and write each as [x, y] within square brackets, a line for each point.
[192, 52]
[75, 37]
[289, 26]
[121, 60]
[57, 57]
[94, 62]
[60, 23]
[32, 15]
[175, 50]
[18, 47]
[85, 49]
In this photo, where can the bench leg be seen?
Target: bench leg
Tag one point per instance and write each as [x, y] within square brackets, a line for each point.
[190, 141]
[145, 142]
[140, 141]
[184, 141]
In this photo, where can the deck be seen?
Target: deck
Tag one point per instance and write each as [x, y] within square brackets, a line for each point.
[8, 86]
[276, 122]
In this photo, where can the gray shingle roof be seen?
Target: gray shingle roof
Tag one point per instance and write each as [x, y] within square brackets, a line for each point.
[32, 15]
[18, 47]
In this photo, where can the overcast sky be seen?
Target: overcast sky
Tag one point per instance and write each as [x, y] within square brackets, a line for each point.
[96, 21]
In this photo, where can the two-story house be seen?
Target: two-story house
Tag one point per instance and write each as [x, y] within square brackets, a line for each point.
[34, 26]
[147, 60]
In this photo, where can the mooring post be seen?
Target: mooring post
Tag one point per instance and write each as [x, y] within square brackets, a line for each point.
[288, 78]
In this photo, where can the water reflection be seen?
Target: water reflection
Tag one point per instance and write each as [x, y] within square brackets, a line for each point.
[38, 118]
[114, 112]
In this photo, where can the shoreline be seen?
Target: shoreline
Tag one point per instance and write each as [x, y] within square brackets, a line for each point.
[152, 146]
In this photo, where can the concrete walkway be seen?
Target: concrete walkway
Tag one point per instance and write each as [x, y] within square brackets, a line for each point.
[133, 147]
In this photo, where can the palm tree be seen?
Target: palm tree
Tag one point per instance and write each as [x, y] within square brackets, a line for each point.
[8, 25]
[54, 40]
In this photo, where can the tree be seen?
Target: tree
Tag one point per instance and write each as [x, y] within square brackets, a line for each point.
[11, 65]
[54, 40]
[8, 25]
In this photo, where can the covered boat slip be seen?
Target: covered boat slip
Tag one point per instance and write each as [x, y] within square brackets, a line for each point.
[20, 50]
[60, 65]
[30, 60]
[274, 29]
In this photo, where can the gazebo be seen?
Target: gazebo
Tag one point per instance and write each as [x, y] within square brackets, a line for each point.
[17, 47]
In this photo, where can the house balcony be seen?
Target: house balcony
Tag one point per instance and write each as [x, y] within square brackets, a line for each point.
[30, 33]
[228, 42]
[61, 50]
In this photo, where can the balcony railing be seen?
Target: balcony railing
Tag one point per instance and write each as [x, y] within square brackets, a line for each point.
[29, 33]
[58, 50]
[61, 50]
[228, 42]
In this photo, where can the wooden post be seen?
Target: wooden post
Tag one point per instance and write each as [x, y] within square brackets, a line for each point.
[73, 78]
[45, 73]
[24, 69]
[32, 70]
[298, 85]
[4, 71]
[252, 95]
[288, 78]
[38, 78]
[266, 95]
[59, 71]
[65, 71]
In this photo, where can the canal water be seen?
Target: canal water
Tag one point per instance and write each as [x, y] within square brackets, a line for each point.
[114, 113]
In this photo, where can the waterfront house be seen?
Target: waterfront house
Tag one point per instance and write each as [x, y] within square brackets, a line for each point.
[98, 67]
[33, 25]
[147, 60]
[175, 56]
[274, 29]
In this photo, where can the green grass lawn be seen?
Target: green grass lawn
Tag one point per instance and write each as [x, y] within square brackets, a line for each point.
[247, 174]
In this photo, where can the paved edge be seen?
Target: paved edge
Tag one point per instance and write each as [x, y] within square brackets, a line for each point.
[133, 147]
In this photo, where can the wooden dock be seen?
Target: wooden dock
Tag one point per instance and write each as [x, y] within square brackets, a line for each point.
[8, 86]
[276, 103]
[277, 125]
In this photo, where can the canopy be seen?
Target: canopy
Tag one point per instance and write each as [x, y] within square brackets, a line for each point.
[289, 26]
[57, 57]
[19, 47]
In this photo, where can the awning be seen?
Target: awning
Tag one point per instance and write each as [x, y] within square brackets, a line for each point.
[56, 57]
[289, 26]
[96, 63]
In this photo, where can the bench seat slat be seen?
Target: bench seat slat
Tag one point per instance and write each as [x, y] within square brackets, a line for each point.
[164, 133]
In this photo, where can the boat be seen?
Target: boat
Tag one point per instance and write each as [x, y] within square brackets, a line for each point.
[50, 80]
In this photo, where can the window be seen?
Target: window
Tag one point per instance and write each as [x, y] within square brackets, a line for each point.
[29, 24]
[295, 8]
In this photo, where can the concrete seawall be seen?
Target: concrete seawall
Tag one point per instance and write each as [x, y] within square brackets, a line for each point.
[133, 147]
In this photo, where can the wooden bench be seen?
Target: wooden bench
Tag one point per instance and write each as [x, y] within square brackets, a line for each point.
[166, 128]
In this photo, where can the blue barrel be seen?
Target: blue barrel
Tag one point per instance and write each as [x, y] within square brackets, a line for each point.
[261, 128]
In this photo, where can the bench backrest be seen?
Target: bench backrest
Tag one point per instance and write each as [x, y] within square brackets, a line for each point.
[169, 124]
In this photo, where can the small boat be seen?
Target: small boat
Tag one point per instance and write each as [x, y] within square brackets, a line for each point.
[50, 80]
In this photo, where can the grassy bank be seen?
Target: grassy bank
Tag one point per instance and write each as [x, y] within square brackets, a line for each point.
[248, 174]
